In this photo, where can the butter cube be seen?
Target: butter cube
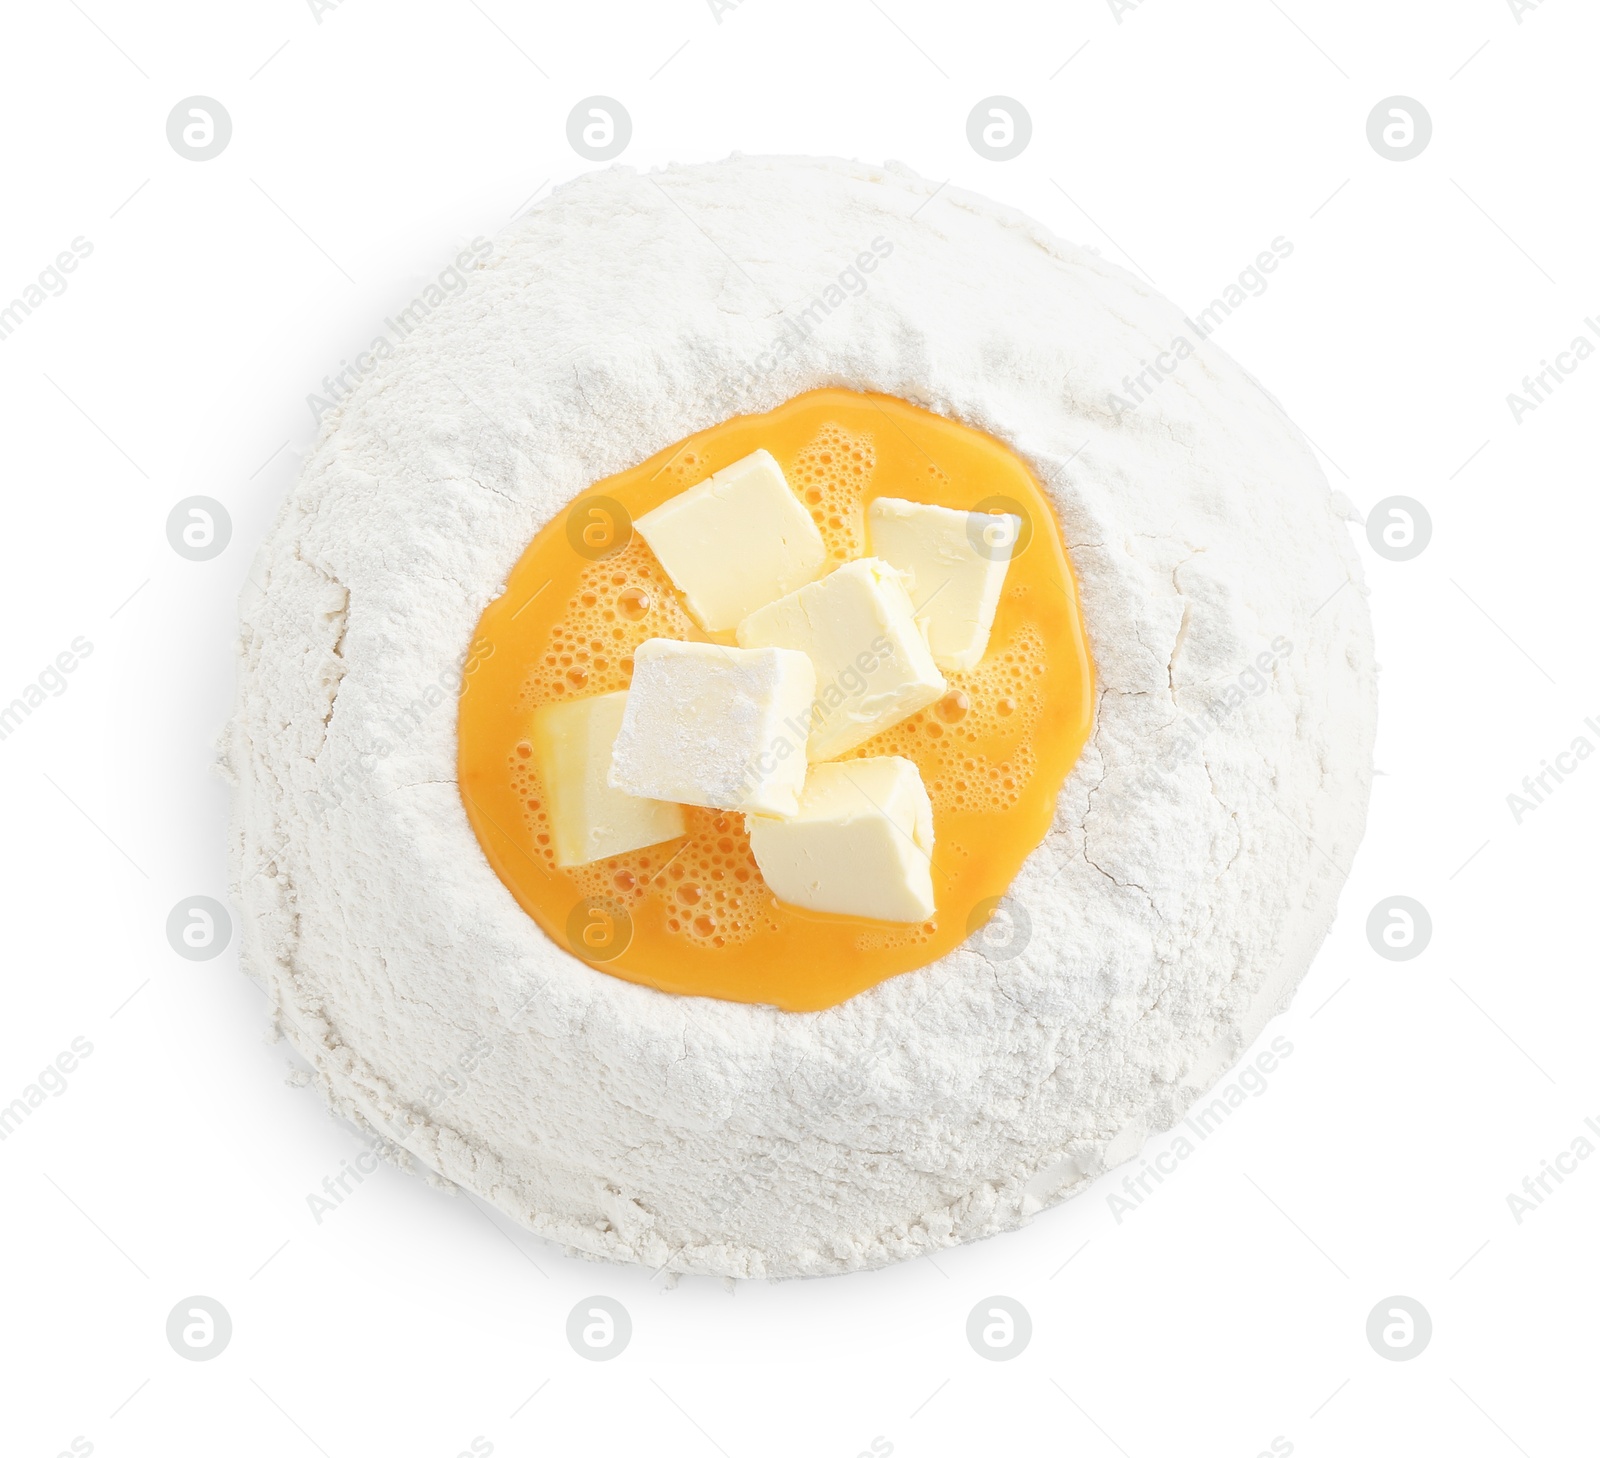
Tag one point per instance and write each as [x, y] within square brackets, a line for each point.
[735, 542]
[873, 664]
[590, 820]
[957, 564]
[861, 844]
[715, 726]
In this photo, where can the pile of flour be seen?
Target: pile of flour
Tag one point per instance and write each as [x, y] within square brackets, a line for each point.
[1197, 849]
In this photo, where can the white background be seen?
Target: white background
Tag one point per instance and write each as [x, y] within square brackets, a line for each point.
[1179, 139]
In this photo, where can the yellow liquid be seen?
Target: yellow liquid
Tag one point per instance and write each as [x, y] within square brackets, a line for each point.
[692, 916]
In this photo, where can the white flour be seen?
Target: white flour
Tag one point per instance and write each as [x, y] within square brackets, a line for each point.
[1190, 873]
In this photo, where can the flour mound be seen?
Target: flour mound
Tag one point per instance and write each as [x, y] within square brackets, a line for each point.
[1197, 850]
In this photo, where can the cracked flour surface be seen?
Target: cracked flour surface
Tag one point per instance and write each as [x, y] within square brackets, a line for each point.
[1197, 851]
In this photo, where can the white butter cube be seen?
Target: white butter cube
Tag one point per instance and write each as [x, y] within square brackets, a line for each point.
[872, 661]
[735, 542]
[957, 564]
[714, 726]
[861, 844]
[590, 820]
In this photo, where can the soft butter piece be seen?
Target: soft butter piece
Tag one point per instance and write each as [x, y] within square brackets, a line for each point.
[858, 629]
[957, 562]
[735, 542]
[706, 725]
[590, 820]
[861, 843]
